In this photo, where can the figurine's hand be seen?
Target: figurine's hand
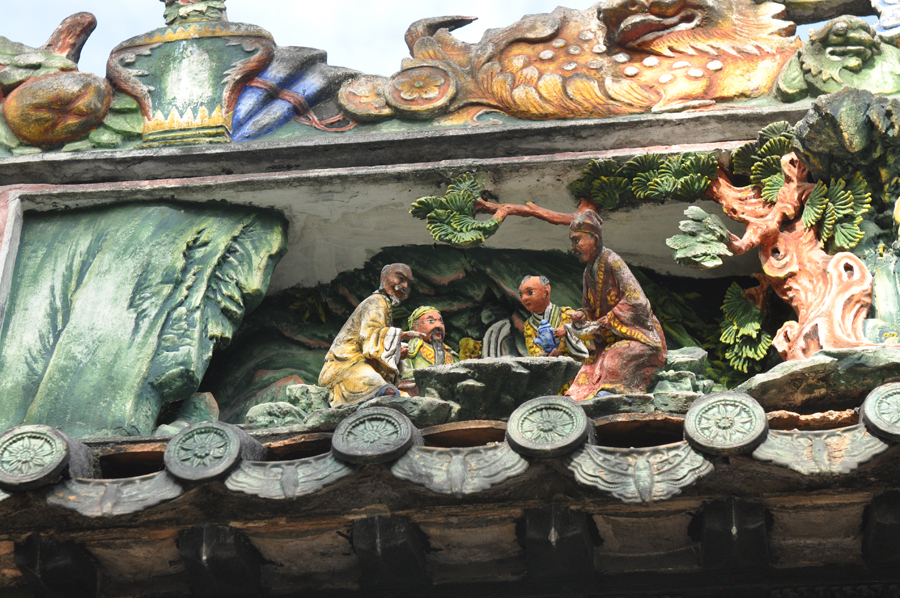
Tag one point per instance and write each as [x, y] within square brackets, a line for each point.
[408, 334]
[559, 332]
[404, 350]
[554, 353]
[409, 387]
[578, 317]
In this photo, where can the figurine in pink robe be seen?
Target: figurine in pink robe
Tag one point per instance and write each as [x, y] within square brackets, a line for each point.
[628, 342]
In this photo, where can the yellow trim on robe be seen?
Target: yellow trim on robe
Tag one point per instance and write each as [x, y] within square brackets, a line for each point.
[530, 331]
[421, 355]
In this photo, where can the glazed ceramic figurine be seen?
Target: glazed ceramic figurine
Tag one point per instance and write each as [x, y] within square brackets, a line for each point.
[364, 359]
[546, 339]
[430, 348]
[629, 345]
[534, 292]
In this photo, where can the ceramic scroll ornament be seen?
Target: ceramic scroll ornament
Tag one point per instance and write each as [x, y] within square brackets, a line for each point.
[616, 57]
[187, 76]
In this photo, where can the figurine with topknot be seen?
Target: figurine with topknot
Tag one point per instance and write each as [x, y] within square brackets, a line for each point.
[628, 342]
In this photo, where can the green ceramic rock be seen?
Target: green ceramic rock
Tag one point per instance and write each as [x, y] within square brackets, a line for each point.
[115, 312]
[835, 379]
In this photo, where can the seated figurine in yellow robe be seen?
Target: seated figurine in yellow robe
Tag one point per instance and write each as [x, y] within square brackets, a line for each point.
[364, 360]
[534, 293]
[430, 350]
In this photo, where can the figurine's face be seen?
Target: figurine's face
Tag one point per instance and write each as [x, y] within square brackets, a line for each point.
[534, 295]
[397, 281]
[431, 325]
[585, 245]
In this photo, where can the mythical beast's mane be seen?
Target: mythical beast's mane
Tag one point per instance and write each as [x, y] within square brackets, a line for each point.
[740, 21]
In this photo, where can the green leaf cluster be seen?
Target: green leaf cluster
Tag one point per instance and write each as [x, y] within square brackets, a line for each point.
[742, 331]
[610, 185]
[451, 218]
[761, 159]
[837, 209]
[703, 243]
[23, 63]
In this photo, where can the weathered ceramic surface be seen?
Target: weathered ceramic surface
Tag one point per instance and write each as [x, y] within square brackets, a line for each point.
[296, 86]
[830, 379]
[57, 109]
[146, 291]
[492, 388]
[831, 294]
[880, 412]
[374, 435]
[548, 427]
[10, 232]
[845, 51]
[187, 77]
[459, 471]
[43, 101]
[288, 479]
[606, 60]
[827, 452]
[725, 423]
[643, 475]
[31, 456]
[110, 498]
[852, 131]
[203, 452]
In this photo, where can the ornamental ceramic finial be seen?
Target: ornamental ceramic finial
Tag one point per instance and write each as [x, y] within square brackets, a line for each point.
[181, 11]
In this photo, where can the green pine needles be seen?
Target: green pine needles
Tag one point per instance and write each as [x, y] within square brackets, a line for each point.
[451, 217]
[681, 177]
[761, 159]
[742, 331]
[837, 210]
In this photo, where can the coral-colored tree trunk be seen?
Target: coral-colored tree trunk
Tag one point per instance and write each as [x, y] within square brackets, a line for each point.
[830, 294]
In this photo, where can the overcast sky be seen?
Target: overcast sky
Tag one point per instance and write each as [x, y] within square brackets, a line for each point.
[367, 36]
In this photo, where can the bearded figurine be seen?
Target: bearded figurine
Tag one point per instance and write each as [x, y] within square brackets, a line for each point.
[429, 349]
[628, 342]
[364, 360]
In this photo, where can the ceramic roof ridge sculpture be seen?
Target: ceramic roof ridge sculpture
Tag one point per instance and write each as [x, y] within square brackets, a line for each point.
[610, 59]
